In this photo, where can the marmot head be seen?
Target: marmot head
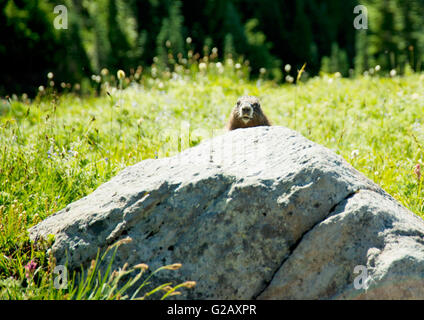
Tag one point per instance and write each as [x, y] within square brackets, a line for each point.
[247, 113]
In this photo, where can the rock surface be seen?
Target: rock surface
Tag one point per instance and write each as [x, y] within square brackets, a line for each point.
[255, 213]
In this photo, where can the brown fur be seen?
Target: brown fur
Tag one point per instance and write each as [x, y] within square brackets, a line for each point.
[258, 117]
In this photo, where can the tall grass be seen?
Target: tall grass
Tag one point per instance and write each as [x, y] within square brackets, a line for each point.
[55, 149]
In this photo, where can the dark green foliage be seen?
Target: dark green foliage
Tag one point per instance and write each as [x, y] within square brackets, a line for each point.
[74, 63]
[395, 37]
[337, 62]
[361, 61]
[122, 35]
[170, 40]
[119, 34]
[28, 44]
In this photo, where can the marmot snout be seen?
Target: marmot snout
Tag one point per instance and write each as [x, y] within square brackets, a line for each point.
[247, 113]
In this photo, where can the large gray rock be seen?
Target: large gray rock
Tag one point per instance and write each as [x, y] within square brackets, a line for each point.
[255, 213]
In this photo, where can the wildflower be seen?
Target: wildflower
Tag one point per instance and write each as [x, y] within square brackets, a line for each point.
[92, 267]
[392, 72]
[178, 69]
[338, 75]
[30, 268]
[189, 284]
[41, 88]
[202, 66]
[120, 74]
[417, 171]
[262, 70]
[95, 78]
[123, 241]
[188, 40]
[289, 79]
[220, 67]
[104, 72]
[167, 288]
[215, 50]
[174, 266]
[168, 43]
[114, 274]
[287, 68]
[354, 153]
[141, 266]
[50, 75]
[377, 68]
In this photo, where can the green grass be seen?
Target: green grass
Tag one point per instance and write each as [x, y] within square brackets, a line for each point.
[57, 148]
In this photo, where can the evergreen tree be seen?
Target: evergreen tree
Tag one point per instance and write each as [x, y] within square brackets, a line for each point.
[229, 45]
[123, 34]
[361, 60]
[258, 49]
[170, 41]
[337, 62]
[97, 23]
[119, 43]
[29, 45]
[74, 63]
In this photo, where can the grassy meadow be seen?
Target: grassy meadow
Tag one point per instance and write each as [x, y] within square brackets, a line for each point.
[56, 148]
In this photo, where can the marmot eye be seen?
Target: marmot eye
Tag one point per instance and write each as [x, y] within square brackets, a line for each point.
[255, 105]
[238, 103]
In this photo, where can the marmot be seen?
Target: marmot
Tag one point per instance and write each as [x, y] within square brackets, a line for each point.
[247, 113]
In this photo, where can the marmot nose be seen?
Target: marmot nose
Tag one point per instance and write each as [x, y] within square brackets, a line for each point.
[245, 109]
